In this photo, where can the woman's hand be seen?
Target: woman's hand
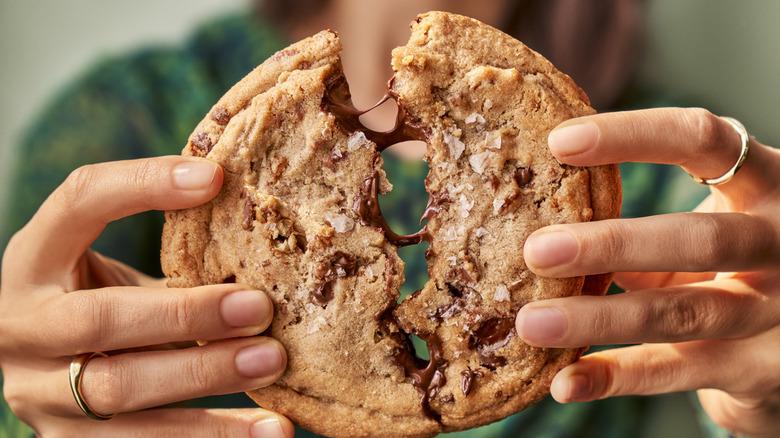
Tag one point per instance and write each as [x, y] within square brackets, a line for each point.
[704, 286]
[59, 299]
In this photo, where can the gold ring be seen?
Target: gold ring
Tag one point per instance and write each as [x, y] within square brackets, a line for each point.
[77, 366]
[726, 177]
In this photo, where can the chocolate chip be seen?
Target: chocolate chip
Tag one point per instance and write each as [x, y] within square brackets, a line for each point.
[523, 176]
[221, 116]
[203, 142]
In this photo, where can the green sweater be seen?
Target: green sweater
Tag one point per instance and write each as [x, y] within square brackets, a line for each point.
[146, 104]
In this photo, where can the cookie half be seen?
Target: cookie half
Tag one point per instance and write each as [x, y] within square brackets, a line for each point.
[298, 217]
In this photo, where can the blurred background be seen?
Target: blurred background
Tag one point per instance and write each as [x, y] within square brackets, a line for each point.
[721, 54]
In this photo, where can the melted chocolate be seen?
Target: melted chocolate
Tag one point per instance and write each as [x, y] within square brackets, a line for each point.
[391, 302]
[491, 336]
[523, 176]
[435, 204]
[342, 265]
[338, 101]
[427, 377]
[468, 380]
[366, 207]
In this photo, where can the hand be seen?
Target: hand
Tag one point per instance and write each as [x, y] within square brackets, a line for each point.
[704, 287]
[59, 299]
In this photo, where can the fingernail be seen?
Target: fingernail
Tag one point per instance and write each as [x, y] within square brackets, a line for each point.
[193, 175]
[555, 248]
[245, 308]
[578, 388]
[268, 428]
[259, 360]
[541, 324]
[573, 139]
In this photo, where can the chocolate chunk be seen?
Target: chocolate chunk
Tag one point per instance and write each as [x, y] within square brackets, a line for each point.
[523, 176]
[492, 335]
[468, 380]
[249, 214]
[203, 142]
[341, 265]
[220, 115]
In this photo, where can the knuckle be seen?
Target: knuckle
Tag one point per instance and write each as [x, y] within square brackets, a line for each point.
[110, 384]
[610, 242]
[677, 317]
[709, 238]
[16, 397]
[79, 183]
[200, 372]
[141, 178]
[87, 330]
[183, 315]
[708, 128]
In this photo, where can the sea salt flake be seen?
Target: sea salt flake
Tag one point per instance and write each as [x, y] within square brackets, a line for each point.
[450, 234]
[452, 260]
[480, 161]
[497, 204]
[446, 167]
[456, 146]
[481, 232]
[336, 152]
[474, 117]
[493, 140]
[464, 205]
[310, 308]
[502, 293]
[341, 272]
[356, 140]
[340, 222]
[488, 104]
[316, 325]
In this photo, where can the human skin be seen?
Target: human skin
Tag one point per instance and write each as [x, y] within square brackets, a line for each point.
[703, 300]
[60, 299]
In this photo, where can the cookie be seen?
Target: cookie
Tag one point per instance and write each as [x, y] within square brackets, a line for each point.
[298, 217]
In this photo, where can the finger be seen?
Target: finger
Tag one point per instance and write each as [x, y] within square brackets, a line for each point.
[50, 245]
[722, 309]
[691, 242]
[104, 272]
[134, 381]
[703, 144]
[195, 423]
[736, 366]
[120, 318]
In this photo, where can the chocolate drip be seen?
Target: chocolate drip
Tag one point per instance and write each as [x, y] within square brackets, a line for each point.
[391, 302]
[435, 204]
[366, 207]
[338, 101]
[427, 377]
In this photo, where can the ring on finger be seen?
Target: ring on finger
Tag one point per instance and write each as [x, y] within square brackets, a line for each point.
[743, 154]
[77, 366]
